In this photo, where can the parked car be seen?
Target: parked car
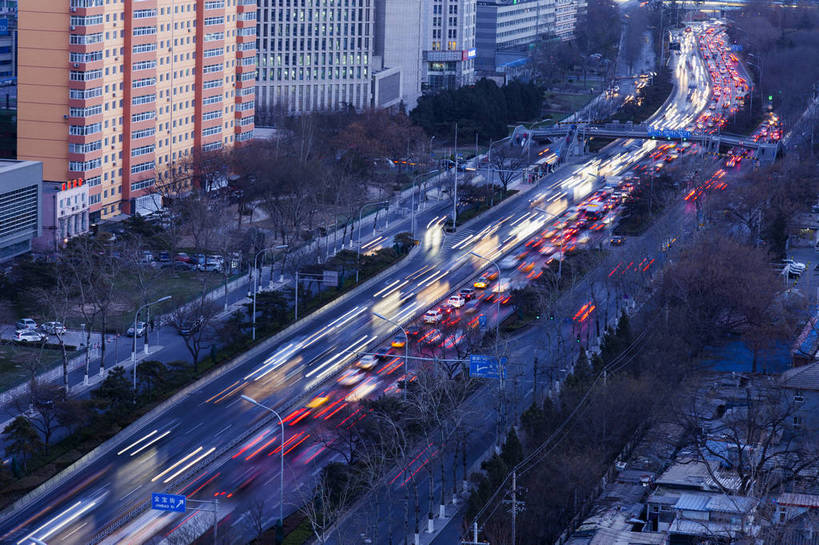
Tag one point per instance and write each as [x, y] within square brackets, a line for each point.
[190, 327]
[26, 323]
[29, 336]
[53, 328]
[139, 331]
[164, 257]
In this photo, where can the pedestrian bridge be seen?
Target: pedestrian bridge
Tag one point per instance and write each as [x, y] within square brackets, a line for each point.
[581, 132]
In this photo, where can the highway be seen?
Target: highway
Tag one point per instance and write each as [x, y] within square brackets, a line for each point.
[214, 445]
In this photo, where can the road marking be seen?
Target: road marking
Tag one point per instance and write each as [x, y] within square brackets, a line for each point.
[131, 492]
[223, 430]
[200, 424]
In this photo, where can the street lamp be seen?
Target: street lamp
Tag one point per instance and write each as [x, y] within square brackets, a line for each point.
[406, 348]
[281, 468]
[497, 301]
[133, 352]
[255, 276]
[412, 205]
[358, 245]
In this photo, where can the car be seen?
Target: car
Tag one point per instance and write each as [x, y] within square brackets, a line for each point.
[53, 328]
[399, 341]
[29, 336]
[164, 257]
[456, 301]
[433, 336]
[26, 323]
[794, 264]
[351, 377]
[481, 283]
[318, 401]
[446, 309]
[210, 267]
[467, 293]
[383, 353]
[433, 316]
[413, 330]
[139, 331]
[617, 240]
[509, 262]
[190, 327]
[472, 306]
[367, 361]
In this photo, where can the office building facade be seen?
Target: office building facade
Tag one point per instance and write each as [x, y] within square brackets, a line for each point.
[121, 94]
[20, 206]
[314, 56]
[449, 48]
[505, 25]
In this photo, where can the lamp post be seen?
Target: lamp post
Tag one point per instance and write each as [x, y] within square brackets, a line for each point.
[406, 348]
[281, 468]
[136, 315]
[358, 245]
[497, 301]
[412, 205]
[257, 274]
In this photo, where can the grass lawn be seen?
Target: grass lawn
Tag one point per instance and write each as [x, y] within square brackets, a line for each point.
[16, 363]
[183, 286]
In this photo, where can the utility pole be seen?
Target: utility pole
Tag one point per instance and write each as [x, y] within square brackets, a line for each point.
[516, 505]
[455, 185]
[474, 537]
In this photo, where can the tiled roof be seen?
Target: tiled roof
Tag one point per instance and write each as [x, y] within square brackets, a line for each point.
[798, 500]
[805, 377]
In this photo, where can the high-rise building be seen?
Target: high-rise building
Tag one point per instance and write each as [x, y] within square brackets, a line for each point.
[449, 44]
[398, 46]
[118, 94]
[314, 55]
[510, 25]
[20, 206]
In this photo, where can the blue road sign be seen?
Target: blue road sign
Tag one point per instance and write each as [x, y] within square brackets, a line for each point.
[168, 502]
[486, 366]
[482, 321]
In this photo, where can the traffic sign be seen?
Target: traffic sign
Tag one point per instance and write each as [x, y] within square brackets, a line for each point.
[482, 321]
[486, 366]
[168, 502]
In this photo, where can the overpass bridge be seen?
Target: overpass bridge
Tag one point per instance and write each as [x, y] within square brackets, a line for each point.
[573, 137]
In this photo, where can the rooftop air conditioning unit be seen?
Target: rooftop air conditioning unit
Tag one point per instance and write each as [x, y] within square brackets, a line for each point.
[76, 65]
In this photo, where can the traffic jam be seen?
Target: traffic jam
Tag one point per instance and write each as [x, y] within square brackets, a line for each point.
[537, 242]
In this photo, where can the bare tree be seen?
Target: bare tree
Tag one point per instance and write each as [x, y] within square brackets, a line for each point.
[44, 402]
[506, 162]
[327, 502]
[193, 322]
[756, 439]
[256, 517]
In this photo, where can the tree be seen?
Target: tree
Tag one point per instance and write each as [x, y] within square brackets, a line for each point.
[22, 439]
[706, 289]
[506, 163]
[328, 500]
[755, 439]
[115, 394]
[45, 401]
[193, 322]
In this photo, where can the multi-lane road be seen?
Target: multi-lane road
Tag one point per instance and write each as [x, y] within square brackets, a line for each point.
[213, 445]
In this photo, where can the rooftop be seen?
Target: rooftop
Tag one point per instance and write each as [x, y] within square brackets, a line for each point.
[798, 500]
[805, 377]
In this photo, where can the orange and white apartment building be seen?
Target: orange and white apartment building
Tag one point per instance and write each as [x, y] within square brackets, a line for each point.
[121, 92]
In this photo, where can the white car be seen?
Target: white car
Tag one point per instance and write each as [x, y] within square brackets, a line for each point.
[508, 262]
[29, 336]
[433, 316]
[794, 265]
[367, 361]
[456, 301]
[351, 377]
[139, 331]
